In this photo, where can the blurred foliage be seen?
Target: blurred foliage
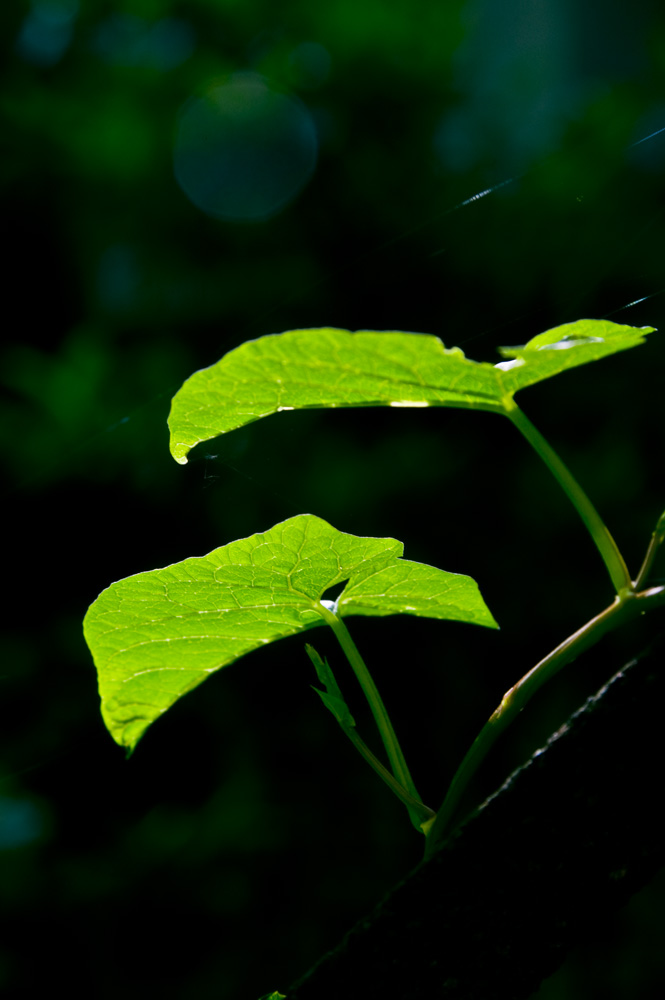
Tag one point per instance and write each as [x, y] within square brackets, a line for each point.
[484, 170]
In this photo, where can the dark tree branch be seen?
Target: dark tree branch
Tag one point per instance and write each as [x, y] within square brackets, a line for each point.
[572, 834]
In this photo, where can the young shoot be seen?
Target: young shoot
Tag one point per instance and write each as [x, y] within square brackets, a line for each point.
[156, 635]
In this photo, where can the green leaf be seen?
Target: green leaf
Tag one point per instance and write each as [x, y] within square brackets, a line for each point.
[330, 368]
[332, 697]
[157, 635]
[338, 707]
[566, 347]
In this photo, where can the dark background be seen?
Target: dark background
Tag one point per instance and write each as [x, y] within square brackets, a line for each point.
[482, 171]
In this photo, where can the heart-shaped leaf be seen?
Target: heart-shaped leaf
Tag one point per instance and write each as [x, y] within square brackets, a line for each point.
[330, 368]
[157, 635]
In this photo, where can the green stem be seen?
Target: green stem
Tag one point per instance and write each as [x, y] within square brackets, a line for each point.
[625, 607]
[414, 805]
[607, 547]
[657, 539]
[334, 701]
[381, 717]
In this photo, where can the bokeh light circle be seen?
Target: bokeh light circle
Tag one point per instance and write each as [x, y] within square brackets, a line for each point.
[243, 151]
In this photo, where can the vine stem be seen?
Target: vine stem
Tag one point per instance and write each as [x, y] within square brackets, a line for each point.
[625, 607]
[412, 803]
[379, 711]
[597, 528]
[657, 539]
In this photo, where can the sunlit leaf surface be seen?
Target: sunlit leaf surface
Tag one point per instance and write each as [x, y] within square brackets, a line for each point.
[157, 635]
[330, 368]
[566, 347]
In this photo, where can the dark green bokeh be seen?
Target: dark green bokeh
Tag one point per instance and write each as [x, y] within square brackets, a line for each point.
[224, 863]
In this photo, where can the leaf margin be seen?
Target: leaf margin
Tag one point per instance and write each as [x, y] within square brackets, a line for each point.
[249, 365]
[125, 717]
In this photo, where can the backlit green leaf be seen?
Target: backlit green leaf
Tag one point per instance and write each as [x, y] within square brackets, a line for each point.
[157, 635]
[331, 368]
[566, 347]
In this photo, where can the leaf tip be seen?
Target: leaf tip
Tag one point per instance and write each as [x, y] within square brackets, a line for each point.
[179, 449]
[130, 744]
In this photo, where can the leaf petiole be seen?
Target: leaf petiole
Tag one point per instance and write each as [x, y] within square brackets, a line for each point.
[333, 700]
[424, 815]
[597, 528]
[381, 717]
